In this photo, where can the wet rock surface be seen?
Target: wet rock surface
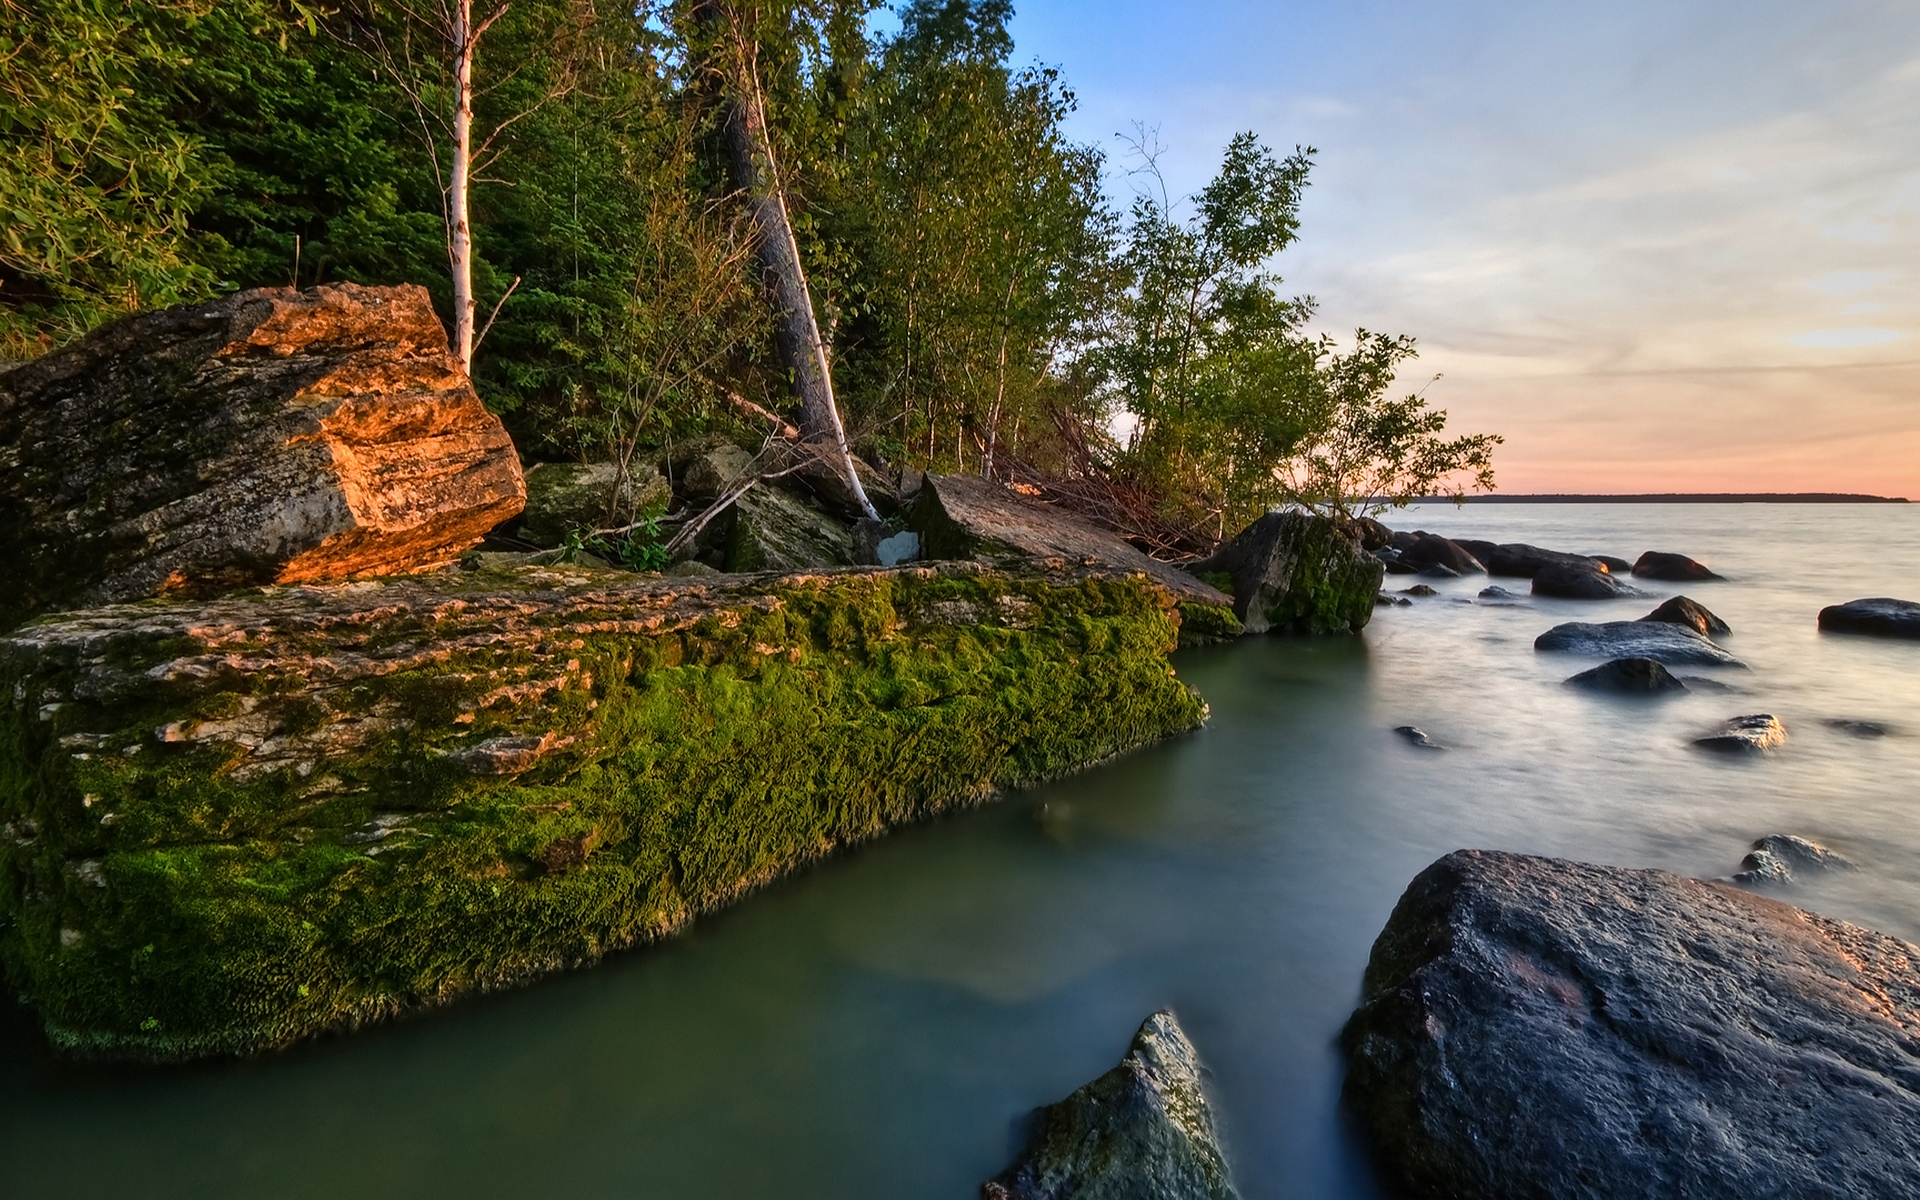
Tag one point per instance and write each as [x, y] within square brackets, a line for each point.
[1297, 573]
[1691, 613]
[1533, 1027]
[1415, 736]
[268, 436]
[1775, 858]
[1671, 568]
[1142, 1131]
[1749, 734]
[1878, 617]
[1518, 560]
[1496, 592]
[1674, 645]
[1583, 580]
[1422, 550]
[1629, 676]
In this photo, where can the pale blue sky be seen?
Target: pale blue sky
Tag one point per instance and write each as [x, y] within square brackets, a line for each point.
[1657, 245]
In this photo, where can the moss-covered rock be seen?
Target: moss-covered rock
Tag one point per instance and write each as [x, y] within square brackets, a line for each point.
[1294, 572]
[228, 825]
[563, 497]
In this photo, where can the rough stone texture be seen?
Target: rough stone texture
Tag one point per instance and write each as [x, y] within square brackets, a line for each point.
[1421, 550]
[1629, 675]
[1518, 560]
[1776, 857]
[1142, 1131]
[770, 530]
[563, 497]
[1583, 580]
[1746, 735]
[1674, 645]
[962, 516]
[1297, 573]
[1673, 568]
[316, 806]
[271, 436]
[1880, 617]
[1536, 1028]
[702, 469]
[1691, 613]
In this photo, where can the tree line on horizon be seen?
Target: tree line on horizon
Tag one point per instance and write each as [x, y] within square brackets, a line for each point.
[596, 237]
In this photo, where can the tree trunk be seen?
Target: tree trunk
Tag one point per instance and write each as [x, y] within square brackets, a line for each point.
[459, 227]
[756, 172]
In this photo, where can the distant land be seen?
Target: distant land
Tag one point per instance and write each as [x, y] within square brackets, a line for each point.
[1687, 498]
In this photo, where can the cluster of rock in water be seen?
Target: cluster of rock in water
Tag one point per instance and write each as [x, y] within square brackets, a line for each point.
[1528, 1027]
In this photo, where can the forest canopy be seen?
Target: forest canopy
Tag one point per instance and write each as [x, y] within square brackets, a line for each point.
[985, 305]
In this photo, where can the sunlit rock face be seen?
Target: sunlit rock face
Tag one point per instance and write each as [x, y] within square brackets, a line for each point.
[273, 436]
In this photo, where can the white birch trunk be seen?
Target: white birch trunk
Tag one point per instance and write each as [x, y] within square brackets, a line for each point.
[459, 225]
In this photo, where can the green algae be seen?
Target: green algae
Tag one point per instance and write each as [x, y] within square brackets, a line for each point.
[162, 899]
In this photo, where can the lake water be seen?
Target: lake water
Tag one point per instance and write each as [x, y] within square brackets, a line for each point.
[879, 1025]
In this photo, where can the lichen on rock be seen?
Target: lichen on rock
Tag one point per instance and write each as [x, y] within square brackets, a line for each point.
[305, 808]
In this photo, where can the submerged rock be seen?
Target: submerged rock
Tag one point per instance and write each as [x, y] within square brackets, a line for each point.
[1416, 736]
[1745, 735]
[1674, 645]
[586, 760]
[1532, 1027]
[1777, 856]
[1584, 580]
[1294, 572]
[1690, 613]
[1419, 589]
[1631, 675]
[1880, 617]
[1497, 592]
[1142, 1131]
[1858, 728]
[1382, 600]
[270, 436]
[1672, 568]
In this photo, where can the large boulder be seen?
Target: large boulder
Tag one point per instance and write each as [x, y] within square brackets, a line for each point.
[1519, 560]
[1142, 1131]
[1674, 645]
[1880, 617]
[1691, 613]
[230, 824]
[564, 497]
[1422, 550]
[272, 436]
[1294, 572]
[964, 516]
[1672, 568]
[1532, 1027]
[769, 530]
[1581, 580]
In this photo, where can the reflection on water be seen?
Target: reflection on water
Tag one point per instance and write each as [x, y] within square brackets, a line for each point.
[877, 1026]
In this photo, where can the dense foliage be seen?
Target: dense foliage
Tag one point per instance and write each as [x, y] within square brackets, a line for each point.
[987, 307]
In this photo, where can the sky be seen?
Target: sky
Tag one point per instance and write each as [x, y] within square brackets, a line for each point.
[1658, 245]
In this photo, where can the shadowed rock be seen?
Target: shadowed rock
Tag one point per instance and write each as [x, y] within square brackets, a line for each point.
[271, 436]
[1674, 645]
[1690, 613]
[1419, 589]
[1583, 580]
[1422, 550]
[1672, 568]
[1629, 675]
[1497, 592]
[1745, 735]
[1520, 561]
[1297, 573]
[1776, 857]
[1859, 728]
[1142, 1131]
[1616, 566]
[1532, 1027]
[1416, 736]
[563, 497]
[1880, 617]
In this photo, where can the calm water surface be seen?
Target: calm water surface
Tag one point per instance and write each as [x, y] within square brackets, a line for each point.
[878, 1026]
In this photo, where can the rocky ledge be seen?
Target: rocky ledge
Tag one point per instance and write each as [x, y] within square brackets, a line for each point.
[234, 823]
[1534, 1027]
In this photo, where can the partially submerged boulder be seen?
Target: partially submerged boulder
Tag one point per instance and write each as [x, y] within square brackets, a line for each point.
[271, 436]
[1422, 550]
[1750, 734]
[1630, 676]
[1532, 1027]
[1143, 1130]
[1295, 572]
[1879, 617]
[1690, 613]
[1518, 560]
[1583, 580]
[1673, 568]
[966, 517]
[317, 806]
[1674, 645]
[1775, 858]
[564, 497]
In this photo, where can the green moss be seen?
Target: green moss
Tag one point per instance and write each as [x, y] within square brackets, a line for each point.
[167, 902]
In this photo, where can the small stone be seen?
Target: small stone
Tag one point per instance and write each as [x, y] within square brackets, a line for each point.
[1419, 589]
[1744, 735]
[1629, 675]
[1776, 857]
[1417, 736]
[1496, 592]
[1863, 729]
